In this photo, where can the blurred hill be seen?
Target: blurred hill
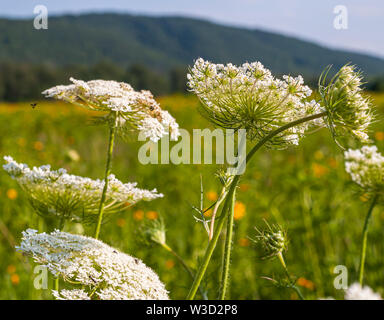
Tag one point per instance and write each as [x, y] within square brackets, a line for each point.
[164, 45]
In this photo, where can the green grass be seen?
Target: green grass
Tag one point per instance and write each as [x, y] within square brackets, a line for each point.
[304, 189]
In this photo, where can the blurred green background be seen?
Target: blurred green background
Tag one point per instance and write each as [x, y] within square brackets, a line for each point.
[304, 189]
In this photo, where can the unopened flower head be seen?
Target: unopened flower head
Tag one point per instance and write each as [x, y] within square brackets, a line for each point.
[154, 231]
[349, 112]
[273, 240]
[101, 271]
[130, 109]
[225, 177]
[249, 97]
[366, 167]
[357, 292]
[57, 193]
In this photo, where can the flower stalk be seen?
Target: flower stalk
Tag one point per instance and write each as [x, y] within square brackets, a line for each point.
[227, 250]
[108, 167]
[365, 239]
[212, 244]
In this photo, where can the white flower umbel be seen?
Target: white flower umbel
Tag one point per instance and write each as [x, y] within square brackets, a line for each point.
[131, 109]
[102, 271]
[357, 292]
[349, 112]
[75, 294]
[55, 192]
[249, 97]
[366, 167]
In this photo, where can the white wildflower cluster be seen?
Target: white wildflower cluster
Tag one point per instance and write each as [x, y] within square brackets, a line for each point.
[102, 271]
[249, 97]
[357, 292]
[366, 167]
[133, 109]
[55, 192]
[350, 113]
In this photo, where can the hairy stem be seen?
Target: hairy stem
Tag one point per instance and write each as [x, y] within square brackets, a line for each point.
[212, 244]
[365, 238]
[108, 166]
[227, 250]
[214, 212]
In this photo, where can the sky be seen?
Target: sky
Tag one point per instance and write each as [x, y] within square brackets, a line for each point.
[306, 19]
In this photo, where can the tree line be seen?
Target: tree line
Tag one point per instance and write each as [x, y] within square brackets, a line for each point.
[25, 82]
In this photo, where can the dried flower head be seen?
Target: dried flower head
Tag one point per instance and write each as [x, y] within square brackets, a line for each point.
[57, 193]
[273, 240]
[102, 271]
[249, 97]
[366, 167]
[130, 109]
[349, 112]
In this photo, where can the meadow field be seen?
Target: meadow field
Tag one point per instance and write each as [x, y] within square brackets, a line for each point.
[305, 189]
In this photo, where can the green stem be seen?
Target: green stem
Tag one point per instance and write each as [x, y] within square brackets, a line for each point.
[112, 131]
[57, 284]
[294, 287]
[365, 238]
[185, 266]
[181, 260]
[212, 244]
[227, 250]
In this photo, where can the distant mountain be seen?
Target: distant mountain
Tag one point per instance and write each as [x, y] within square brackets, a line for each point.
[166, 42]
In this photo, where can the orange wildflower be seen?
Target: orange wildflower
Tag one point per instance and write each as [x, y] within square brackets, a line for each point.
[308, 284]
[169, 264]
[138, 215]
[15, 279]
[212, 195]
[379, 136]
[38, 145]
[239, 210]
[12, 194]
[121, 222]
[244, 186]
[319, 170]
[333, 163]
[11, 269]
[244, 242]
[152, 215]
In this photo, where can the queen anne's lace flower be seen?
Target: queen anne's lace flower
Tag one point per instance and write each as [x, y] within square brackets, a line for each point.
[366, 167]
[55, 192]
[102, 271]
[350, 113]
[249, 97]
[75, 294]
[132, 109]
[356, 292]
